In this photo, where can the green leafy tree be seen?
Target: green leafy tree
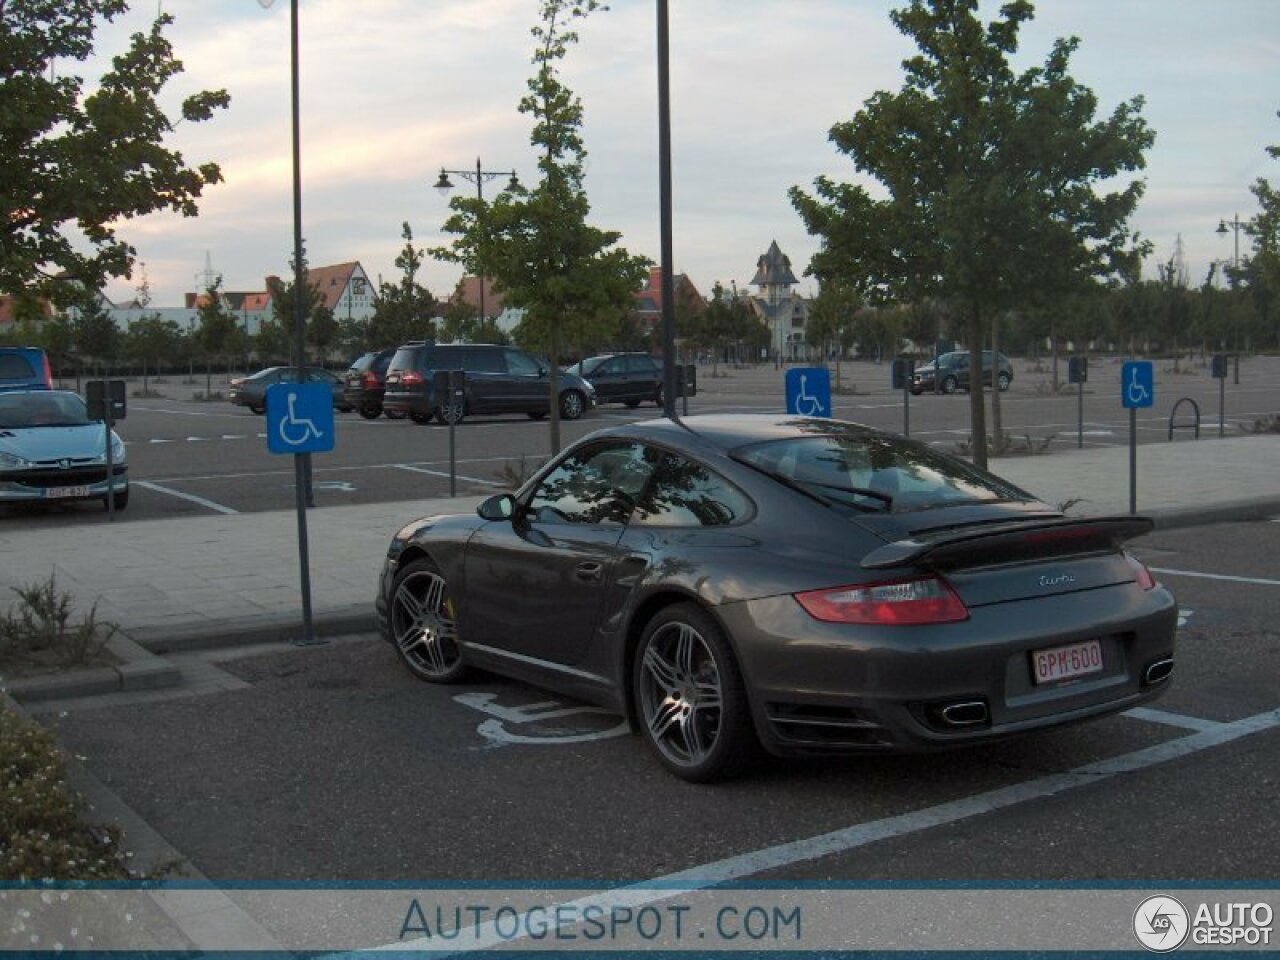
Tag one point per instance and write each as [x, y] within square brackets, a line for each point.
[151, 340]
[96, 336]
[282, 300]
[78, 157]
[215, 333]
[1262, 267]
[992, 177]
[322, 332]
[833, 320]
[536, 244]
[403, 311]
[274, 340]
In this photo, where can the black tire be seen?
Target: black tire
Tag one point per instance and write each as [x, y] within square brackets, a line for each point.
[122, 501]
[657, 396]
[420, 418]
[632, 404]
[539, 415]
[371, 410]
[697, 741]
[572, 405]
[451, 412]
[423, 624]
[1003, 382]
[949, 384]
[393, 414]
[258, 408]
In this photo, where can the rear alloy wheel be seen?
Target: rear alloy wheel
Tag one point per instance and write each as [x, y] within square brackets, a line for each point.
[451, 413]
[423, 624]
[571, 405]
[1002, 382]
[949, 384]
[689, 696]
[371, 410]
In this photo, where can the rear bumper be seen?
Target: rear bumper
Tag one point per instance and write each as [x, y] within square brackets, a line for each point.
[823, 688]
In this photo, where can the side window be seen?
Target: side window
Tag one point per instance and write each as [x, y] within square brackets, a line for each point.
[480, 360]
[642, 365]
[521, 364]
[598, 484]
[611, 368]
[687, 494]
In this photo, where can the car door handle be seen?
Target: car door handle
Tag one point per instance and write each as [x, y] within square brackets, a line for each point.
[589, 571]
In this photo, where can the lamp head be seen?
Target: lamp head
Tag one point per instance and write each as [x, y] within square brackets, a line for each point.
[1222, 227]
[444, 184]
[513, 184]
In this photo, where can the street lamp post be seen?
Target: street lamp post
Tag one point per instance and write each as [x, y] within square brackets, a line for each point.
[1235, 225]
[479, 177]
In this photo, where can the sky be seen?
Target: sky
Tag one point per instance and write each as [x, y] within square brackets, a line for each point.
[394, 90]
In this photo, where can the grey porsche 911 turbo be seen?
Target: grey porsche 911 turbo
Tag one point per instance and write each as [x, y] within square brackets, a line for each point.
[805, 585]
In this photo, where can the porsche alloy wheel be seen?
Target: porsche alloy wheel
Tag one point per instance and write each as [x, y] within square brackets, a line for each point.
[423, 624]
[689, 696]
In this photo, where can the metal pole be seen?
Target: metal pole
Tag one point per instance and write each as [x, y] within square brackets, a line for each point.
[1133, 460]
[480, 197]
[906, 411]
[1080, 415]
[664, 191]
[1222, 403]
[301, 461]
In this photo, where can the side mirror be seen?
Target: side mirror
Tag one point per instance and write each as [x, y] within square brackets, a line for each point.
[543, 371]
[501, 506]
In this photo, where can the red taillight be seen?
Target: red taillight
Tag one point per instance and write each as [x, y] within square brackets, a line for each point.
[1145, 580]
[370, 381]
[918, 601]
[411, 378]
[48, 373]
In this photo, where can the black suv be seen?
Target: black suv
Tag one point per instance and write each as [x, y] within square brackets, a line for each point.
[363, 384]
[629, 378]
[498, 380]
[950, 372]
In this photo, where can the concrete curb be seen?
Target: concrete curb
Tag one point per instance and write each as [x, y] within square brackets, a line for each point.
[138, 669]
[268, 628]
[1261, 508]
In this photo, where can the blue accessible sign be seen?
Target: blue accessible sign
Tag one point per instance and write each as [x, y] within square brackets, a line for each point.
[1137, 384]
[809, 391]
[299, 418]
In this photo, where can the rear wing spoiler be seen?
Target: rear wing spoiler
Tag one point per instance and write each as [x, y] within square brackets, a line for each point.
[1010, 542]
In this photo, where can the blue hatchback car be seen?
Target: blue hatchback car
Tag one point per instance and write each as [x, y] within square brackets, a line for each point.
[24, 368]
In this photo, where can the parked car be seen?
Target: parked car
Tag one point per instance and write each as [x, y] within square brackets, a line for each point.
[807, 584]
[950, 372]
[51, 451]
[497, 380]
[630, 378]
[24, 368]
[364, 383]
[251, 391]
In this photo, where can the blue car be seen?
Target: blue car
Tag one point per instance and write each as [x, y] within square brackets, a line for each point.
[50, 450]
[24, 368]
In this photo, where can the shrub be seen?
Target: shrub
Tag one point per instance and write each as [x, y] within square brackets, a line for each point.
[42, 623]
[41, 818]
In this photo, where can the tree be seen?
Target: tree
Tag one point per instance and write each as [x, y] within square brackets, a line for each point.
[95, 333]
[149, 340]
[215, 334]
[322, 332]
[73, 164]
[1262, 268]
[403, 311]
[282, 295]
[991, 178]
[536, 244]
[833, 320]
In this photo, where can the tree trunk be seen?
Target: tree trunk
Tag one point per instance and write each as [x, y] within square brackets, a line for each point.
[553, 382]
[997, 425]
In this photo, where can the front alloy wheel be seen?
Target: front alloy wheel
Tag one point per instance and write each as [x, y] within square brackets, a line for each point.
[423, 624]
[571, 405]
[690, 698]
[949, 385]
[1003, 382]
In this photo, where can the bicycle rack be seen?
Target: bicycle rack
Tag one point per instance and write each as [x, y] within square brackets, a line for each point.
[1174, 412]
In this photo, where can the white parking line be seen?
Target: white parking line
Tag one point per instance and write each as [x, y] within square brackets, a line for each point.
[1172, 719]
[445, 473]
[1215, 576]
[217, 507]
[860, 835]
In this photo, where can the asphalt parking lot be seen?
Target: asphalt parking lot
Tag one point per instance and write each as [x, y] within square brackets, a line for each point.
[331, 763]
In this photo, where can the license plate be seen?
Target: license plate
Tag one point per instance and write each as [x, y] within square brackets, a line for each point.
[63, 492]
[1064, 663]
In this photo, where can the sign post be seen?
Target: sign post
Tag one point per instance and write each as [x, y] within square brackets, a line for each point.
[809, 391]
[1137, 390]
[106, 402]
[1220, 374]
[903, 369]
[1078, 373]
[299, 422]
[451, 389]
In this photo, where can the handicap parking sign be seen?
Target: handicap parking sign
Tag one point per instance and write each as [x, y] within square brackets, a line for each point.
[1137, 384]
[809, 391]
[299, 418]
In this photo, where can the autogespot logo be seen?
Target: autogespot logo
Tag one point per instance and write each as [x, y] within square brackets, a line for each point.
[1161, 924]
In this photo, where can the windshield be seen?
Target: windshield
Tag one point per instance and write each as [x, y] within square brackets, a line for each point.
[42, 409]
[875, 473]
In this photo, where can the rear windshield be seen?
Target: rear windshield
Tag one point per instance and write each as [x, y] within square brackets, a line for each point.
[42, 409]
[15, 366]
[875, 473]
